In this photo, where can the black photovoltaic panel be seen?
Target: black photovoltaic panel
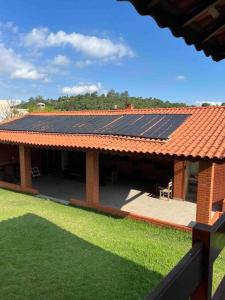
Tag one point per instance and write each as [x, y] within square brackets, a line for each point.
[153, 126]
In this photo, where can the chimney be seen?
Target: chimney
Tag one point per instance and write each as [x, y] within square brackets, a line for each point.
[129, 106]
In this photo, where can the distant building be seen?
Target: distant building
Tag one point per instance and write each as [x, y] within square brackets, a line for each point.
[41, 105]
[8, 109]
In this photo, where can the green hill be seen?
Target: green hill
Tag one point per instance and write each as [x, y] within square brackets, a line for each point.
[95, 101]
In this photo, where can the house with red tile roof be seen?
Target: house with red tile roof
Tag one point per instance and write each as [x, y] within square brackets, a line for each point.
[127, 162]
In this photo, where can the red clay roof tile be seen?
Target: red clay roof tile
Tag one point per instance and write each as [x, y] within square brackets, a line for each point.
[201, 135]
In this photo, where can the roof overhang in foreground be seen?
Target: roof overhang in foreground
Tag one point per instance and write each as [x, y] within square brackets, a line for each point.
[200, 23]
[202, 135]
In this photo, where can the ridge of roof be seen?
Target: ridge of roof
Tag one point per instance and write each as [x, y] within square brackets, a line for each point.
[181, 110]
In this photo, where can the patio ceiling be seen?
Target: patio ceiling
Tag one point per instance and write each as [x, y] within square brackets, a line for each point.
[199, 23]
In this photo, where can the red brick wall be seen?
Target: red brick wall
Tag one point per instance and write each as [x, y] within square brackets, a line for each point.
[205, 192]
[179, 179]
[92, 177]
[219, 185]
[17, 188]
[25, 166]
[223, 206]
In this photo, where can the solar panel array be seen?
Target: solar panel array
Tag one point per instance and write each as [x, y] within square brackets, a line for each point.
[153, 126]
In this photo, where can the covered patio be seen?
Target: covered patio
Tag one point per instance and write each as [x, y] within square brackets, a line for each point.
[134, 200]
[128, 183]
[123, 196]
[84, 178]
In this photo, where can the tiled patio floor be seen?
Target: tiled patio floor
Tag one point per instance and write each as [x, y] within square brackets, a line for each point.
[143, 203]
[125, 196]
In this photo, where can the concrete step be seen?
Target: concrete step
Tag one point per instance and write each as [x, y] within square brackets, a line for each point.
[61, 201]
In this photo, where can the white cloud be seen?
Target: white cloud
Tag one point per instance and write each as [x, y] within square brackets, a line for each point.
[180, 77]
[84, 63]
[11, 63]
[61, 60]
[199, 103]
[91, 46]
[37, 37]
[27, 74]
[82, 89]
[9, 26]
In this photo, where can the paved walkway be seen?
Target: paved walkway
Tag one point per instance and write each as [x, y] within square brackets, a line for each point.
[126, 196]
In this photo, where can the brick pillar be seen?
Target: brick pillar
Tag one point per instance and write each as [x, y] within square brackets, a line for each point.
[179, 179]
[219, 185]
[223, 206]
[205, 192]
[25, 167]
[92, 177]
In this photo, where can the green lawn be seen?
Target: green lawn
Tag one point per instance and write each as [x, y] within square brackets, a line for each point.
[51, 251]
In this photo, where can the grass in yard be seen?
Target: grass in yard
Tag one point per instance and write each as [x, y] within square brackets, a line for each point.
[50, 251]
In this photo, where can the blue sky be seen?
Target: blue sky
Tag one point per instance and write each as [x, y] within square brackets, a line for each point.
[52, 48]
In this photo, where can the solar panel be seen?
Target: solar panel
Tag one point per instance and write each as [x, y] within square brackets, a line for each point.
[153, 126]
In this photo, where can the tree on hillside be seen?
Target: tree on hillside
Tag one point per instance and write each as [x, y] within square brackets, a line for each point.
[205, 104]
[112, 94]
[9, 110]
[124, 94]
[95, 101]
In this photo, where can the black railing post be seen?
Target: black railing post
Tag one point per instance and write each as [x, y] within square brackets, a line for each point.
[202, 233]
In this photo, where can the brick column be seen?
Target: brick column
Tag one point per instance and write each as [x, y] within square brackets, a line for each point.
[205, 192]
[219, 186]
[179, 179]
[223, 206]
[92, 177]
[25, 167]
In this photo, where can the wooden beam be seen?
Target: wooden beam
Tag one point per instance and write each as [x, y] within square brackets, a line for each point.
[200, 40]
[144, 7]
[204, 290]
[197, 13]
[213, 239]
[215, 30]
[153, 3]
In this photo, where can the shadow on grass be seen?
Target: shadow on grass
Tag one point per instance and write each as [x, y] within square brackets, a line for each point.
[39, 260]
